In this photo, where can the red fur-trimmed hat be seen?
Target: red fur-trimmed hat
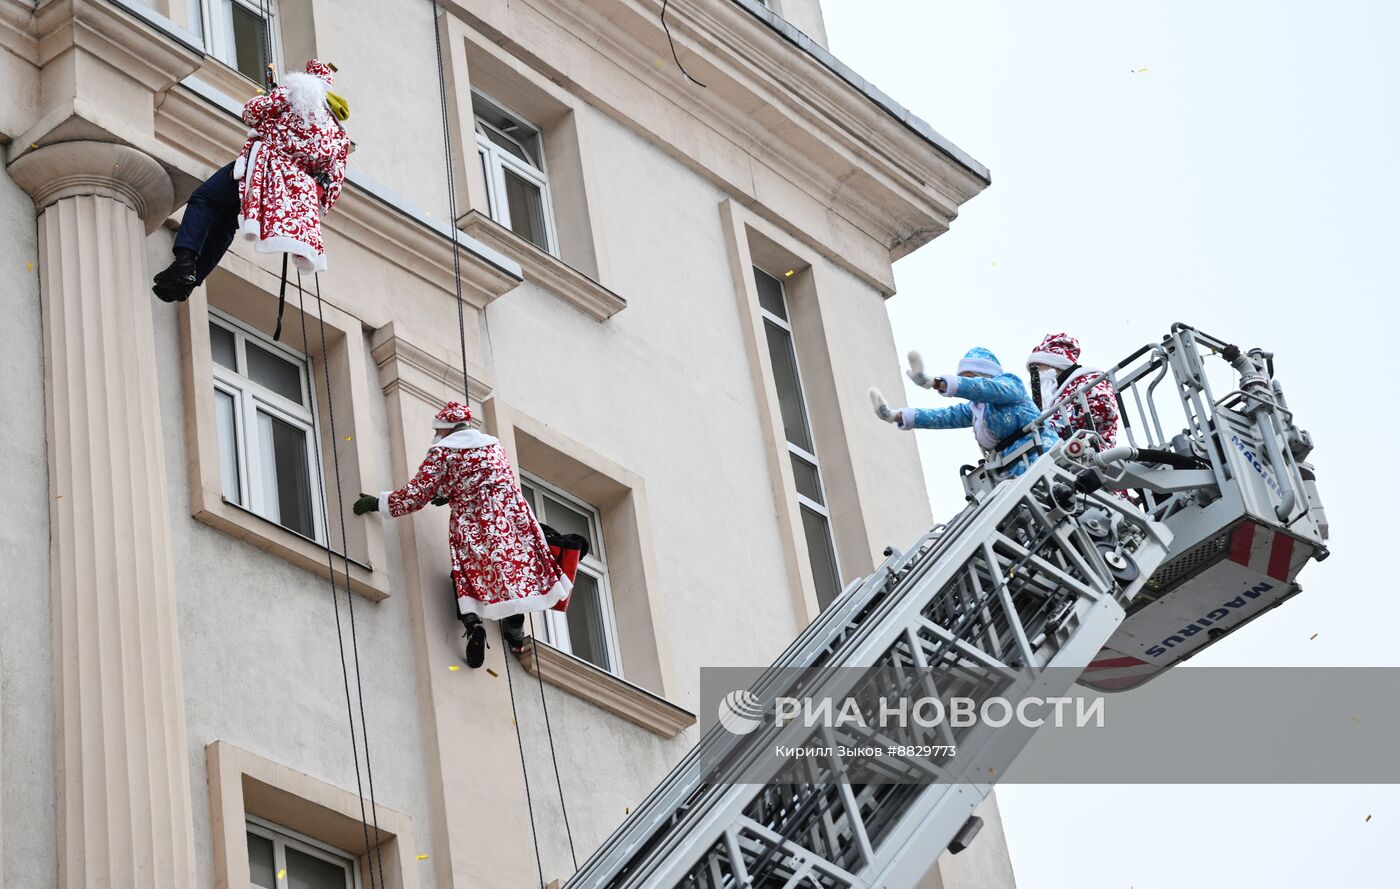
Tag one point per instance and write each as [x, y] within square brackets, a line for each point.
[1058, 350]
[454, 413]
[323, 70]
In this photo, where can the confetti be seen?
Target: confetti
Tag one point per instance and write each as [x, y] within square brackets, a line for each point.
[33, 144]
[453, 667]
[29, 266]
[1368, 818]
[627, 810]
[349, 438]
[1137, 71]
[282, 874]
[1312, 637]
[422, 858]
[789, 273]
[493, 672]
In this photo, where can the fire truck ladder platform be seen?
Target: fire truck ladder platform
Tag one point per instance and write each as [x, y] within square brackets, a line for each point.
[1104, 564]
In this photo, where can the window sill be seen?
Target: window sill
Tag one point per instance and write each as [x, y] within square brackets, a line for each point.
[228, 80]
[301, 551]
[602, 689]
[545, 269]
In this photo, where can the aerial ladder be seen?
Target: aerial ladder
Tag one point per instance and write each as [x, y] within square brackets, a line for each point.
[1105, 565]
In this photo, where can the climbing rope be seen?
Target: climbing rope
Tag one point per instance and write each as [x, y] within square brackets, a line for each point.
[559, 782]
[466, 391]
[378, 854]
[270, 83]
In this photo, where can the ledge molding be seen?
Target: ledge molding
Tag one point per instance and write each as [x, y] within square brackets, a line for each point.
[545, 269]
[604, 690]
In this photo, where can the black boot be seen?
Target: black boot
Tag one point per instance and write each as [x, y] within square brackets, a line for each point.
[476, 640]
[176, 282]
[513, 632]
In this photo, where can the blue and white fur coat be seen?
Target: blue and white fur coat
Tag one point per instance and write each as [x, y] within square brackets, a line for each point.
[997, 405]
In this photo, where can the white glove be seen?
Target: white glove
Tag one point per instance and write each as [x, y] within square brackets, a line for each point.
[916, 371]
[882, 407]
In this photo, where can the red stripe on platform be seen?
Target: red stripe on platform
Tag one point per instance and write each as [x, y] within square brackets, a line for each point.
[1117, 684]
[1241, 541]
[1116, 662]
[1280, 557]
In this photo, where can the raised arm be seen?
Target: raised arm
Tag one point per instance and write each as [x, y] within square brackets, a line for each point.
[261, 109]
[421, 489]
[959, 416]
[1005, 389]
[333, 170]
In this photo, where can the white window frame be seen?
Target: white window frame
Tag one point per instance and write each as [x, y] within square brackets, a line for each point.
[595, 565]
[496, 160]
[805, 455]
[283, 837]
[251, 397]
[219, 31]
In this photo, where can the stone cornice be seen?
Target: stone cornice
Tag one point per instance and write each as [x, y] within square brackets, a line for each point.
[434, 379]
[545, 269]
[793, 117]
[125, 42]
[601, 688]
[363, 215]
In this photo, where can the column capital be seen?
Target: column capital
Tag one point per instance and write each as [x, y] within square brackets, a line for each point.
[105, 169]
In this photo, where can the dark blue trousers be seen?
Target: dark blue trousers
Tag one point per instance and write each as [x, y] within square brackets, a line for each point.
[210, 222]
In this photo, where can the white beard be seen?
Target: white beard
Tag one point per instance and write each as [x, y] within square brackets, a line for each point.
[307, 96]
[1049, 383]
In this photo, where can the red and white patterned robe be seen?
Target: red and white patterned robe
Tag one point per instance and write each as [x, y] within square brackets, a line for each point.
[501, 564]
[281, 202]
[1102, 400]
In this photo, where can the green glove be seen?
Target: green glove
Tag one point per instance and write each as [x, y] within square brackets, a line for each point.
[366, 503]
[441, 501]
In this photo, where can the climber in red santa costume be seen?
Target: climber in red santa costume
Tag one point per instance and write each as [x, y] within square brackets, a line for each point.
[501, 564]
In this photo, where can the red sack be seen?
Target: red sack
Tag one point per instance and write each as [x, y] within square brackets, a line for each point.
[567, 550]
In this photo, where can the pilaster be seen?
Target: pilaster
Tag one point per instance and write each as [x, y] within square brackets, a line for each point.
[124, 807]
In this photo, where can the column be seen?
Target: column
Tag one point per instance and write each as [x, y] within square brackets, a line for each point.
[124, 811]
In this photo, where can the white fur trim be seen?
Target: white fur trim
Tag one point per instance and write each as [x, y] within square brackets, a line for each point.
[307, 260]
[512, 607]
[985, 439]
[950, 384]
[384, 502]
[1053, 359]
[980, 366]
[465, 440]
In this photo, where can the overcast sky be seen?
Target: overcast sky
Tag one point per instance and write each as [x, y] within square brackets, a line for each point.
[1246, 182]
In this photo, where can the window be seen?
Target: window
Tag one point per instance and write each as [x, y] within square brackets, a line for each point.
[806, 471]
[263, 404]
[587, 629]
[241, 35]
[281, 859]
[512, 161]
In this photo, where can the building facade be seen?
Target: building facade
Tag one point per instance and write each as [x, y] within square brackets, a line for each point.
[668, 288]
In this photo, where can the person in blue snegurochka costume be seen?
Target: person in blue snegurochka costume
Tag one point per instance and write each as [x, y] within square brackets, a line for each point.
[997, 406]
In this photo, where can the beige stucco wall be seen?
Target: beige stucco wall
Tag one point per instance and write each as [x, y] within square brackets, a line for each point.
[665, 389]
[26, 689]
